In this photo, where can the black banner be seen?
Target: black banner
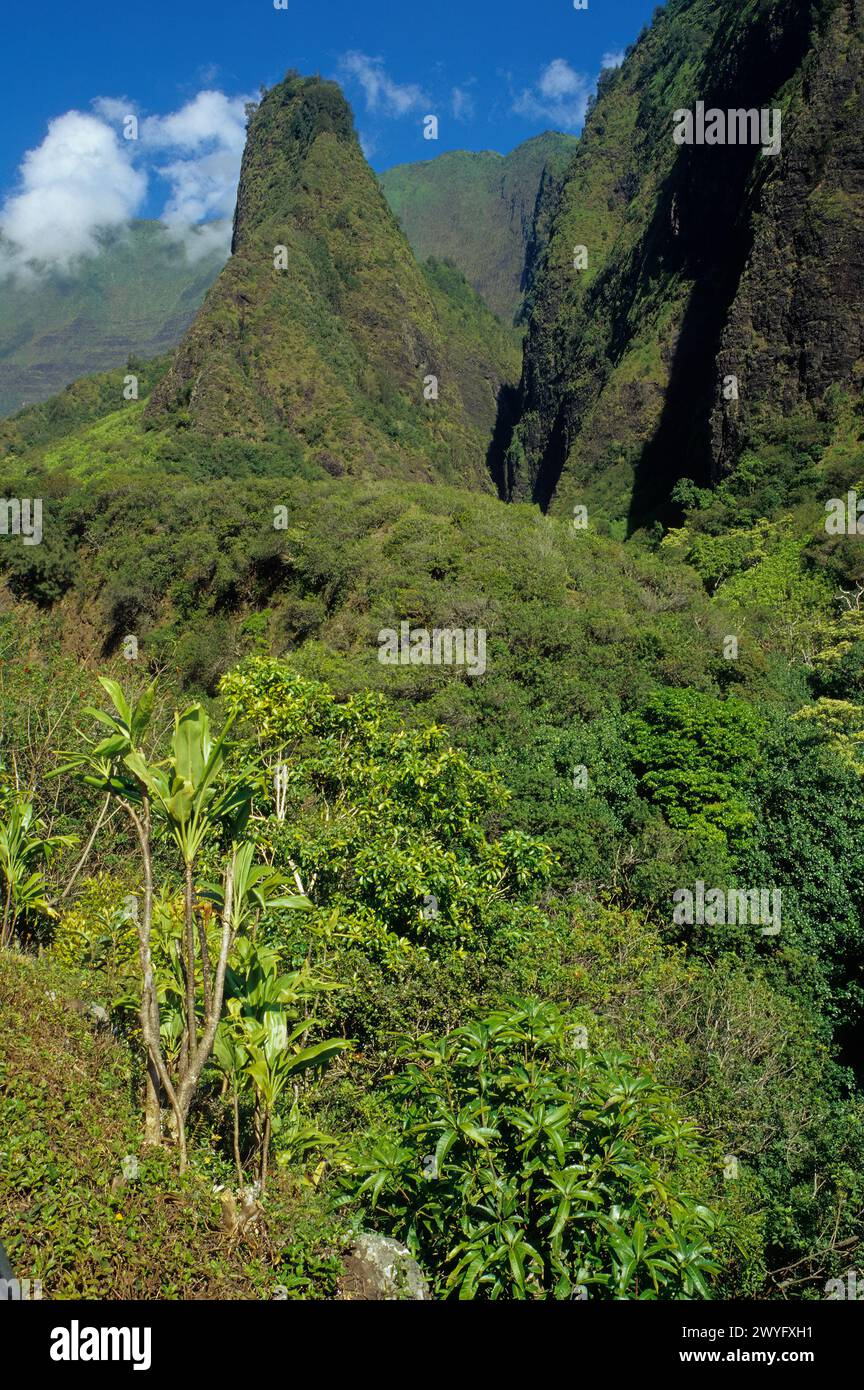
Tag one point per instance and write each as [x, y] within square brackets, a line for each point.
[63, 1339]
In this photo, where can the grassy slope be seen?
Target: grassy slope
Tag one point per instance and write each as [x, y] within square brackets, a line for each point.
[477, 209]
[68, 1118]
[138, 295]
[90, 432]
[186, 563]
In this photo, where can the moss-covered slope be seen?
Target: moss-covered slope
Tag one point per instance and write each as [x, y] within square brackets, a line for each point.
[704, 262]
[322, 329]
[480, 211]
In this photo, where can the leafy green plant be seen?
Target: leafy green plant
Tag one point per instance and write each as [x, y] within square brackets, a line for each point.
[195, 800]
[23, 847]
[68, 1121]
[95, 928]
[528, 1167]
[261, 1042]
[694, 755]
[376, 819]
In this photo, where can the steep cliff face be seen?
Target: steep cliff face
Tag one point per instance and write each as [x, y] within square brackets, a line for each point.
[479, 210]
[322, 327]
[704, 262]
[795, 326]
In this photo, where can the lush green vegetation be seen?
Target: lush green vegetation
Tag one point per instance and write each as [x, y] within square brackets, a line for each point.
[628, 357]
[296, 943]
[552, 1172]
[463, 842]
[478, 210]
[438, 894]
[136, 295]
[322, 336]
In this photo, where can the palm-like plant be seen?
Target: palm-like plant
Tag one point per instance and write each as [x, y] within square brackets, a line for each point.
[23, 847]
[191, 793]
[262, 1039]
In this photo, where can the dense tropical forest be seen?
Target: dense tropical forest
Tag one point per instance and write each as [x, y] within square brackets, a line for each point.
[547, 964]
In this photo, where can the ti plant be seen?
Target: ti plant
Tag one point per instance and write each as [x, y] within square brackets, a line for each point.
[23, 849]
[192, 797]
[530, 1168]
[261, 1043]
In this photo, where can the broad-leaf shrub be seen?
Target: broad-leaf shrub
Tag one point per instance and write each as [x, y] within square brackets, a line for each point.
[695, 755]
[25, 850]
[529, 1167]
[388, 824]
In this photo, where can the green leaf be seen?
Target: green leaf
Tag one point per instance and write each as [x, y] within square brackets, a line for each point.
[118, 699]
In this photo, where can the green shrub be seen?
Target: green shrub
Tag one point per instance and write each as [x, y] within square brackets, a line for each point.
[695, 754]
[529, 1167]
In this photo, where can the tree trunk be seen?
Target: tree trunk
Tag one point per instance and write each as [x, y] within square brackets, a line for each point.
[236, 1108]
[87, 848]
[149, 1013]
[190, 1034]
[8, 920]
[200, 1054]
[152, 1105]
[265, 1152]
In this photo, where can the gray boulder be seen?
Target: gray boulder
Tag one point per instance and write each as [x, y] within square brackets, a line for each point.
[377, 1268]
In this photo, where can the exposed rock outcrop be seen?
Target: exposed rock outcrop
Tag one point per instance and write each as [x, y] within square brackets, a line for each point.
[704, 261]
[380, 1269]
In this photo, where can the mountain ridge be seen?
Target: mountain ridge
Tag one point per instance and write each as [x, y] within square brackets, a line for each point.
[322, 325]
[139, 293]
[135, 297]
[625, 363]
[479, 209]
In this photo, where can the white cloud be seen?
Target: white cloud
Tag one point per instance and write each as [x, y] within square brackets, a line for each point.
[207, 136]
[85, 179]
[79, 181]
[207, 73]
[114, 109]
[211, 118]
[383, 95]
[560, 96]
[559, 80]
[200, 188]
[207, 239]
[613, 60]
[462, 104]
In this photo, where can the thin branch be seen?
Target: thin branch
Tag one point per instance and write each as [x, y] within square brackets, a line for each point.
[87, 848]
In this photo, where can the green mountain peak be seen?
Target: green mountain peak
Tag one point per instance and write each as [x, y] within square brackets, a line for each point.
[282, 130]
[323, 329]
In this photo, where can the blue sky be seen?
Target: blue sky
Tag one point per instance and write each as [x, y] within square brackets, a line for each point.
[494, 72]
